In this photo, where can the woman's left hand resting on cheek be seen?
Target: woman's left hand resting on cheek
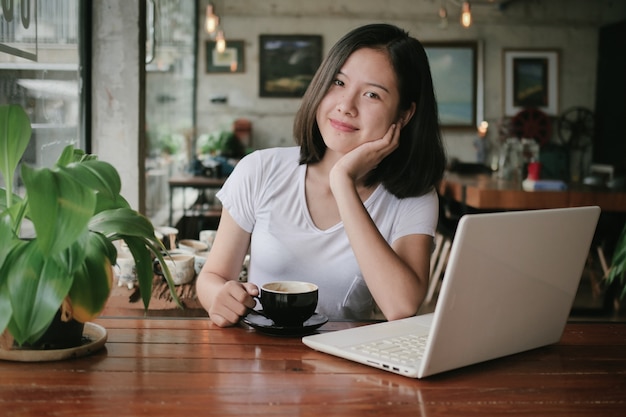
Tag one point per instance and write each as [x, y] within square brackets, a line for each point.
[364, 158]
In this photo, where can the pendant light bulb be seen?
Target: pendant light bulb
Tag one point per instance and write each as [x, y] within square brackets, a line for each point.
[212, 20]
[466, 15]
[220, 41]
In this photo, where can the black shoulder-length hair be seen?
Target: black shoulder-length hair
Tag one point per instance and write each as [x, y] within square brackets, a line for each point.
[419, 161]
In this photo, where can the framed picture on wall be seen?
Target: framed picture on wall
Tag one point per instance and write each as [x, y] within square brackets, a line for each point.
[288, 63]
[531, 80]
[229, 61]
[454, 69]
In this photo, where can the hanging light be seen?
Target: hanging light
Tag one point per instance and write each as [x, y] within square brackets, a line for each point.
[443, 17]
[220, 41]
[212, 20]
[466, 15]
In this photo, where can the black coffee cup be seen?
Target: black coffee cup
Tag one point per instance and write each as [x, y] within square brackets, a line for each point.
[288, 303]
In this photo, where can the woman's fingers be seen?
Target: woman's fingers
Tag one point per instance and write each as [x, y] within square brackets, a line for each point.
[232, 302]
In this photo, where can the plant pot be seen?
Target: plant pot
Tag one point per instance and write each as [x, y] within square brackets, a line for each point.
[62, 340]
[60, 335]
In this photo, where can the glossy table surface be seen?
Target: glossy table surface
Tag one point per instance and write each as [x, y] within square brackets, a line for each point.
[190, 367]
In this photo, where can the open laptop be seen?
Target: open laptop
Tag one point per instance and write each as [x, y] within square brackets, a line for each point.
[509, 287]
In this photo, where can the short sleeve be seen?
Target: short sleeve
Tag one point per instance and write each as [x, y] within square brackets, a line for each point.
[239, 191]
[417, 215]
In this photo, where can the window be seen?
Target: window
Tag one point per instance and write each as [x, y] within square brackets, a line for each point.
[40, 69]
[170, 99]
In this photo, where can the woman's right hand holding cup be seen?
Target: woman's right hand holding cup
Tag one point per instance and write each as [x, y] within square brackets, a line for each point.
[232, 302]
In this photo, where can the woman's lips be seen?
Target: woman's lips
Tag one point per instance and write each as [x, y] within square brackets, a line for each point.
[344, 127]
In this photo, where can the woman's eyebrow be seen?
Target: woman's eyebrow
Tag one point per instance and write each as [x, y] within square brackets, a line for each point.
[382, 87]
[373, 84]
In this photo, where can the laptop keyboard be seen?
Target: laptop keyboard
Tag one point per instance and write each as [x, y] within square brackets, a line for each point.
[404, 349]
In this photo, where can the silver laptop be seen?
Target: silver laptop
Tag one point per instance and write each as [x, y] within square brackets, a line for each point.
[509, 287]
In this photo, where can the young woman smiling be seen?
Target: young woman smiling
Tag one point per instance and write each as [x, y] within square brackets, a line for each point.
[353, 207]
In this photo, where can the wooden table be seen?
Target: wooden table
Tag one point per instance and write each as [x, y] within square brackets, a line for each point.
[484, 192]
[189, 367]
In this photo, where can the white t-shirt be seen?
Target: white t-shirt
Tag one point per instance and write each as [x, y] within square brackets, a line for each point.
[265, 195]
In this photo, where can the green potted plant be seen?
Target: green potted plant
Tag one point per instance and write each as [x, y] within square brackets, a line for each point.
[77, 214]
[220, 143]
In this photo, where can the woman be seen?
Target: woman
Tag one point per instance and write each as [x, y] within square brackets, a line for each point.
[353, 208]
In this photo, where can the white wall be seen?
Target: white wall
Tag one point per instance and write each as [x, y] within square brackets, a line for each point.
[117, 92]
[567, 25]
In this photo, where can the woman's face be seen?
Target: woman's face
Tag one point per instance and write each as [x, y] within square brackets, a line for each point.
[361, 103]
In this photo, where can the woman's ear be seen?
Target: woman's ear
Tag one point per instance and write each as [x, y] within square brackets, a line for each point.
[405, 116]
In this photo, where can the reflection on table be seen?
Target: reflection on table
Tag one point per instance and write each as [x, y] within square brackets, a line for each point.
[152, 367]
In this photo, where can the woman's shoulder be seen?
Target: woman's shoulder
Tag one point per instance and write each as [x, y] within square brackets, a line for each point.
[268, 161]
[271, 158]
[287, 154]
[428, 201]
[426, 198]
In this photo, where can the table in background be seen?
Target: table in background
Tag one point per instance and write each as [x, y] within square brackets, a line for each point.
[195, 182]
[180, 367]
[484, 192]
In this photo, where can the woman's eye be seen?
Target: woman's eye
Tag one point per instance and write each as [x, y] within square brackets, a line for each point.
[338, 82]
[371, 95]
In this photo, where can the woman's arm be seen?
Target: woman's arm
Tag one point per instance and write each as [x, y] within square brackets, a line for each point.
[219, 291]
[397, 275]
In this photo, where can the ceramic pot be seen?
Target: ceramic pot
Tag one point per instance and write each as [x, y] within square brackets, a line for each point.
[60, 335]
[51, 346]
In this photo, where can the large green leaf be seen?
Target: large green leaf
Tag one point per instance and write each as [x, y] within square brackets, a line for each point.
[143, 266]
[5, 307]
[6, 245]
[134, 229]
[60, 208]
[15, 200]
[36, 288]
[6, 240]
[15, 134]
[74, 256]
[92, 281]
[69, 155]
[97, 175]
[123, 221]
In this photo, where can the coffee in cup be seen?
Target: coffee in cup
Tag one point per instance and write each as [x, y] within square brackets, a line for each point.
[288, 303]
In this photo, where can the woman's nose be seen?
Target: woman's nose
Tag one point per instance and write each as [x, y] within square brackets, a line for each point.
[346, 105]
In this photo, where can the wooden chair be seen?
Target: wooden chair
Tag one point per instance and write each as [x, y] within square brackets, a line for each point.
[438, 262]
[449, 215]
